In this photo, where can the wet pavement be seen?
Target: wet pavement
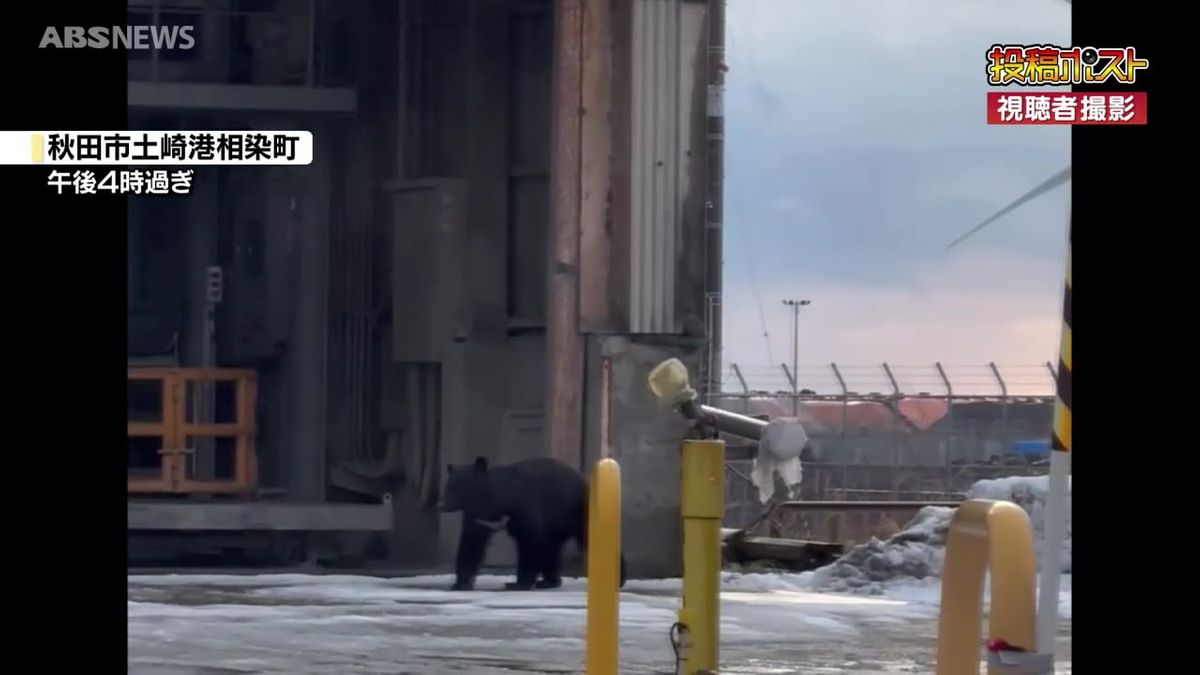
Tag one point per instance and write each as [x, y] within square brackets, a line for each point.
[302, 624]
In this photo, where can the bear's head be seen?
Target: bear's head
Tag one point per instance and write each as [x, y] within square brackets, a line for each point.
[469, 489]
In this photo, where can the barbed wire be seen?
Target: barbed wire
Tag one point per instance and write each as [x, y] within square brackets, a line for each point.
[834, 379]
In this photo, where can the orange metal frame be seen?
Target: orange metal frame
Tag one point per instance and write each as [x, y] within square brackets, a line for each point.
[174, 430]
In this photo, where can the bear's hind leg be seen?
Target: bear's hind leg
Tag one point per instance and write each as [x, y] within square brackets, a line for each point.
[527, 566]
[581, 539]
[551, 565]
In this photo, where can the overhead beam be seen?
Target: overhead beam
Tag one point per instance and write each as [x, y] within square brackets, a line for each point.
[241, 97]
[260, 516]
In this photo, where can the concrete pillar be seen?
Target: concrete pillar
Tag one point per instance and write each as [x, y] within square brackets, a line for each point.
[564, 344]
[646, 441]
[305, 202]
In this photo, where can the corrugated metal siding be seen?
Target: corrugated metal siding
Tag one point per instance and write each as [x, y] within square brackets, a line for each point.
[654, 217]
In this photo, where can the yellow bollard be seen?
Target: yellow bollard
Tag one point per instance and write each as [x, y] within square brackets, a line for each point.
[985, 534]
[702, 505]
[603, 568]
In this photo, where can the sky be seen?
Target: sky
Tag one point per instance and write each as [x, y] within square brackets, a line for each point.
[857, 149]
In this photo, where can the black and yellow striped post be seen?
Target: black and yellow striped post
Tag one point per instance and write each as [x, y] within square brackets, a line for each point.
[1061, 440]
[1055, 513]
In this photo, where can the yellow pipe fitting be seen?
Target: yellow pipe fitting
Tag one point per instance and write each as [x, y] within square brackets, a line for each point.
[995, 535]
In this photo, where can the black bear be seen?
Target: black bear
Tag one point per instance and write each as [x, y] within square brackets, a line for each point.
[541, 503]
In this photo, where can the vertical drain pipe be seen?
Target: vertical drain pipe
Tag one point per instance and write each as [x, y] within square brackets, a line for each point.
[714, 192]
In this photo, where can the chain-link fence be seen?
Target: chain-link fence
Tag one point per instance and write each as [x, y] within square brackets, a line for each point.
[896, 432]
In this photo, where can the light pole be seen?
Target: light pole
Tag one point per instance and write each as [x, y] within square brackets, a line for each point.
[796, 305]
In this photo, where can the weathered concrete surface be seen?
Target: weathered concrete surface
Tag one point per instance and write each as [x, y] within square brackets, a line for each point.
[305, 624]
[645, 441]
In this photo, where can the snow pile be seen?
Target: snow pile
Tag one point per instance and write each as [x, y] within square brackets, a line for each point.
[917, 553]
[1028, 492]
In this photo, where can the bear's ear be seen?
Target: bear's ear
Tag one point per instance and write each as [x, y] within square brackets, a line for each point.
[449, 468]
[481, 464]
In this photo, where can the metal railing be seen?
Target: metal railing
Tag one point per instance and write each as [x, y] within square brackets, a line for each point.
[837, 381]
[893, 431]
[186, 437]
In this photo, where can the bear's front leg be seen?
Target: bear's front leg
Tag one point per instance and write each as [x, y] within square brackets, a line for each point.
[472, 547]
[527, 566]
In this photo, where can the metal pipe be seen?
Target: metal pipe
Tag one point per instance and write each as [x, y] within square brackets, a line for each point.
[741, 380]
[605, 415]
[953, 430]
[311, 66]
[891, 380]
[795, 375]
[790, 377]
[714, 190]
[986, 537]
[728, 422]
[864, 505]
[735, 424]
[843, 451]
[1003, 410]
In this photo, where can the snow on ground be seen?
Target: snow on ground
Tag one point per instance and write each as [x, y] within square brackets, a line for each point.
[297, 624]
[304, 624]
[355, 624]
[872, 612]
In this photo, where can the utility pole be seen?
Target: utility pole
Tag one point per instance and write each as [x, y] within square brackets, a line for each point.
[796, 305]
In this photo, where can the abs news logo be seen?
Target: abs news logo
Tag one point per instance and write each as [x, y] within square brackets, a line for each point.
[118, 37]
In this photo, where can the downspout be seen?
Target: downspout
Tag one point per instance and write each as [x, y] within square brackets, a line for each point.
[714, 193]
